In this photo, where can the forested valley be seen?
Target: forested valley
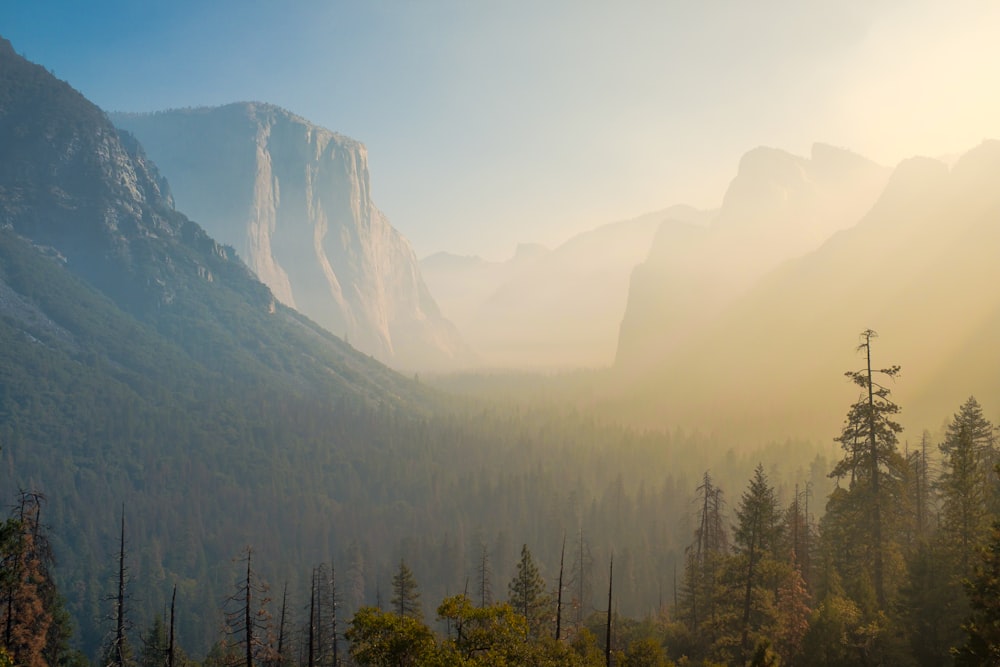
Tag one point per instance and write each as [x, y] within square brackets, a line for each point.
[199, 474]
[497, 534]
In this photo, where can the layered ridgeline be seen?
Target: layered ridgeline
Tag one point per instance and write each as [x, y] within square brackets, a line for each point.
[544, 309]
[918, 266]
[777, 207]
[294, 199]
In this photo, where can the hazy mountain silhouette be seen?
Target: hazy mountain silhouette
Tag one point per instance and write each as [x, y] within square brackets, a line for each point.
[919, 268]
[778, 206]
[557, 308]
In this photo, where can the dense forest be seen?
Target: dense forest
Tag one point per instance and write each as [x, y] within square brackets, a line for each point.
[513, 551]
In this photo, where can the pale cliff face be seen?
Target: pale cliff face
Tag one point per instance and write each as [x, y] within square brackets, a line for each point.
[294, 200]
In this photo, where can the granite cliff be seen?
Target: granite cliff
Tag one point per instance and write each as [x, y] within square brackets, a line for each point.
[294, 199]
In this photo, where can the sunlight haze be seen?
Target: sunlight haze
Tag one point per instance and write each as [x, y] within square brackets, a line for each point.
[492, 124]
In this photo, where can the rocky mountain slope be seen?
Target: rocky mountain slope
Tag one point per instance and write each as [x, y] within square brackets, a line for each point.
[294, 199]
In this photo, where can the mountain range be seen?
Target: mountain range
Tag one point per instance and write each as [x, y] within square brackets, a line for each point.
[916, 263]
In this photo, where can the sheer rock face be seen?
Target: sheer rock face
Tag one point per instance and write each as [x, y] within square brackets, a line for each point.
[294, 200]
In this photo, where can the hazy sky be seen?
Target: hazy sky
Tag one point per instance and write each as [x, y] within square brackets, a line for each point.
[489, 123]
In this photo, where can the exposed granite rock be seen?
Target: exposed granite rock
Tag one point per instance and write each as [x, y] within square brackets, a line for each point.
[294, 200]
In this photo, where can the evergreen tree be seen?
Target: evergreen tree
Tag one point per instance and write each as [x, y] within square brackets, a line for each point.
[982, 646]
[405, 594]
[873, 467]
[153, 652]
[526, 592]
[702, 588]
[931, 607]
[756, 535]
[966, 482]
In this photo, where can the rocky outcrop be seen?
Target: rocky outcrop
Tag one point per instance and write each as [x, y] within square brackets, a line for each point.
[294, 200]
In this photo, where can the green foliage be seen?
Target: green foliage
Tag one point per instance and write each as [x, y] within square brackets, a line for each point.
[153, 649]
[982, 646]
[966, 483]
[932, 605]
[835, 637]
[405, 594]
[491, 635]
[869, 514]
[381, 639]
[644, 653]
[756, 569]
[527, 595]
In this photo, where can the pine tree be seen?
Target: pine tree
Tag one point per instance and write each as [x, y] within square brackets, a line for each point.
[756, 535]
[966, 482]
[703, 566]
[153, 652]
[872, 464]
[405, 594]
[526, 592]
[982, 646]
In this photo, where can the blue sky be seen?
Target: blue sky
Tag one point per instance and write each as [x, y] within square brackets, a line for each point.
[491, 123]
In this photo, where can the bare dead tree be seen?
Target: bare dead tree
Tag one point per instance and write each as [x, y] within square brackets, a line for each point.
[607, 635]
[170, 641]
[559, 590]
[248, 622]
[117, 651]
[334, 604]
[279, 658]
